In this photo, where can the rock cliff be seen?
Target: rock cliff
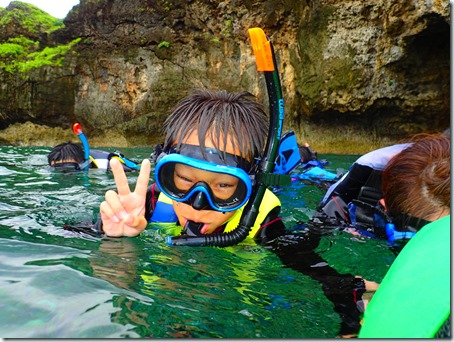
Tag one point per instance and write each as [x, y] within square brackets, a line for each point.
[381, 66]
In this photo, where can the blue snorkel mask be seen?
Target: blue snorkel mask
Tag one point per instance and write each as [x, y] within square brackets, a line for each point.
[228, 189]
[69, 166]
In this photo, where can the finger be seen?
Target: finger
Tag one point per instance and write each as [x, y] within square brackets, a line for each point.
[133, 225]
[107, 212]
[120, 177]
[116, 207]
[138, 222]
[142, 180]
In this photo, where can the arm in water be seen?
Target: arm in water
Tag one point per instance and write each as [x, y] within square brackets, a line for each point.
[298, 252]
[123, 213]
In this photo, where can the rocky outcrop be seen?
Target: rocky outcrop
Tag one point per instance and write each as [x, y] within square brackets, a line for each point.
[383, 63]
[381, 66]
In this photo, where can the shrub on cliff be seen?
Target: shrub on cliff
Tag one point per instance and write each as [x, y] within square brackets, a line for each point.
[22, 29]
[16, 56]
[23, 19]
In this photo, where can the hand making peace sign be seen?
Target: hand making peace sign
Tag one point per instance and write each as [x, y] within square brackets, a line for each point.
[123, 213]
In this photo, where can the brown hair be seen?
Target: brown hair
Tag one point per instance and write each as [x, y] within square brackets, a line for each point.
[416, 181]
[234, 116]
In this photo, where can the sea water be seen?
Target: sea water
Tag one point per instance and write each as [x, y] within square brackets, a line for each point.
[56, 283]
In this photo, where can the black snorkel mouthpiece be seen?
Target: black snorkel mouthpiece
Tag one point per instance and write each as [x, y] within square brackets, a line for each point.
[266, 63]
[191, 235]
[192, 228]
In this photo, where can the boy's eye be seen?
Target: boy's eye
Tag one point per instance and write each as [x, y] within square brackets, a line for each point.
[183, 178]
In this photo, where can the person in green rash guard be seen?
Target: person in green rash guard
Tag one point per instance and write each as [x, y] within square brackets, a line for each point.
[413, 300]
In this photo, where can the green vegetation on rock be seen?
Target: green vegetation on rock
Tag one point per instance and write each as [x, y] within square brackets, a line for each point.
[16, 57]
[30, 18]
[23, 52]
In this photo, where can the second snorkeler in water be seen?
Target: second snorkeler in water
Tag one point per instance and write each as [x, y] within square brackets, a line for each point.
[205, 174]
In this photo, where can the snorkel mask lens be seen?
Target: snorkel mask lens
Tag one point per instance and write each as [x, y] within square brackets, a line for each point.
[203, 184]
[67, 167]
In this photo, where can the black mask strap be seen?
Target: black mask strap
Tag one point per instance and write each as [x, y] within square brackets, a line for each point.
[407, 223]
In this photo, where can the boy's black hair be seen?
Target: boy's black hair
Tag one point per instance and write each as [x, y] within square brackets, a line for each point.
[219, 114]
[64, 152]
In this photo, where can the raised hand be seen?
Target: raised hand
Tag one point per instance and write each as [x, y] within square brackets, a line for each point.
[123, 213]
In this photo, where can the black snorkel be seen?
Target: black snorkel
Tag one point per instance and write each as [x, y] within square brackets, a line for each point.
[266, 62]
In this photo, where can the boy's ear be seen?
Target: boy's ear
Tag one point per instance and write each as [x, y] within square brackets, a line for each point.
[382, 202]
[157, 153]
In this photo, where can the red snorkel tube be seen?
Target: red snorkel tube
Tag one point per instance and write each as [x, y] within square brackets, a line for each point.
[266, 63]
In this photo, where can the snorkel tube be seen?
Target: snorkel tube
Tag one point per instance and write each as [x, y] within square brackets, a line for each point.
[77, 129]
[266, 62]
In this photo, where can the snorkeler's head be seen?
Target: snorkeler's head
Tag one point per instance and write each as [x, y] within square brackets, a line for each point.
[417, 181]
[66, 155]
[213, 141]
[219, 118]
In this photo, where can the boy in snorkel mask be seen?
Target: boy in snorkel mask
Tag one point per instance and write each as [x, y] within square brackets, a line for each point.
[204, 175]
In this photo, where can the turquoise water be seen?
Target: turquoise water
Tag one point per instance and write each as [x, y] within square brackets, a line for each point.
[56, 283]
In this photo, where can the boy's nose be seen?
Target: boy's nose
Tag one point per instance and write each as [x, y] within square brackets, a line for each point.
[199, 201]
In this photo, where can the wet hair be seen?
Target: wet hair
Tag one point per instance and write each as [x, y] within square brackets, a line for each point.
[219, 116]
[65, 152]
[416, 181]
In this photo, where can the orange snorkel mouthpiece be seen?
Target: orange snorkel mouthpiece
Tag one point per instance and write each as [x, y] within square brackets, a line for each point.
[262, 49]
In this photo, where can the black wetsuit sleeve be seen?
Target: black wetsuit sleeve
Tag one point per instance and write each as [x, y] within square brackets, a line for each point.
[297, 251]
[151, 200]
[271, 227]
[350, 187]
[97, 226]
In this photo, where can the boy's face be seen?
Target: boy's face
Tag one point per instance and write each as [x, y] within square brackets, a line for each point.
[212, 219]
